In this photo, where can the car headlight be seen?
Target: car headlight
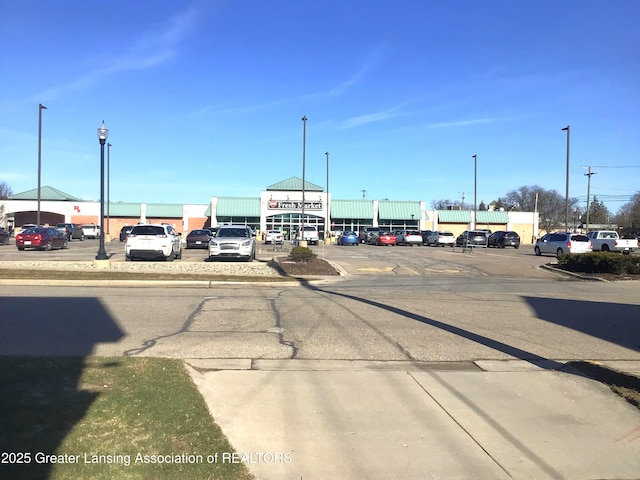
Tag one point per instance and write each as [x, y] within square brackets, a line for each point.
[213, 243]
[246, 243]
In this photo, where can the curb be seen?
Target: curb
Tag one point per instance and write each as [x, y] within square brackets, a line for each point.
[551, 268]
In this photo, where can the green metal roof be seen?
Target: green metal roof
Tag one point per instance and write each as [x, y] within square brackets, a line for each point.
[294, 184]
[238, 207]
[164, 210]
[390, 210]
[492, 217]
[454, 216]
[352, 209]
[120, 209]
[46, 193]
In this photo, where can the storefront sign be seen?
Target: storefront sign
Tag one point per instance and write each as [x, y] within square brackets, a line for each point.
[293, 205]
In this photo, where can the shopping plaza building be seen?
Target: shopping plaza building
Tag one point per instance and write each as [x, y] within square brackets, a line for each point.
[280, 206]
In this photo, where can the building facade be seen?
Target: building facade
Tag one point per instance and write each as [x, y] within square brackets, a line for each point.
[283, 206]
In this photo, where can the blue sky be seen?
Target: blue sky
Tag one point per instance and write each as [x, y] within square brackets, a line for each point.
[206, 97]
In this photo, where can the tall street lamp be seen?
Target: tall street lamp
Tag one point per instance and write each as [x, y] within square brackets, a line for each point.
[475, 185]
[304, 149]
[103, 133]
[108, 189]
[40, 108]
[328, 220]
[566, 197]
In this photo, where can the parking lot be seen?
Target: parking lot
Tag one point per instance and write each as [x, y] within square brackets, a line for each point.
[353, 260]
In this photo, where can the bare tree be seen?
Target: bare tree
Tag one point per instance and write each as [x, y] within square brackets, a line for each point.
[549, 204]
[628, 215]
[445, 204]
[5, 191]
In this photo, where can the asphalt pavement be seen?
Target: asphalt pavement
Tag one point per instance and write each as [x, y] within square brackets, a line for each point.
[482, 419]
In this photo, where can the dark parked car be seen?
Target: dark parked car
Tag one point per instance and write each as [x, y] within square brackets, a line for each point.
[71, 230]
[124, 231]
[425, 234]
[367, 232]
[472, 238]
[199, 238]
[43, 238]
[501, 239]
[4, 237]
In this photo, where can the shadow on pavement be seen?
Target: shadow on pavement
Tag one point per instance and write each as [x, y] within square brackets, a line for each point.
[39, 397]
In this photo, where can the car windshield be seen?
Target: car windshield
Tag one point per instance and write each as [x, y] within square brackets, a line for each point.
[148, 230]
[32, 230]
[445, 234]
[232, 232]
[200, 232]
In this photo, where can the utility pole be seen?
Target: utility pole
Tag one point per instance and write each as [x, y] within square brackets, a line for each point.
[364, 192]
[462, 193]
[588, 174]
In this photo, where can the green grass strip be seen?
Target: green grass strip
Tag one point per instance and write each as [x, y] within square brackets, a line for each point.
[107, 418]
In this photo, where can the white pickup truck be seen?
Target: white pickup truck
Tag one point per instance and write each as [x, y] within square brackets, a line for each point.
[610, 241]
[310, 235]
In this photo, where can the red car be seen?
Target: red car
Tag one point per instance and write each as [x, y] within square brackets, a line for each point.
[43, 238]
[384, 238]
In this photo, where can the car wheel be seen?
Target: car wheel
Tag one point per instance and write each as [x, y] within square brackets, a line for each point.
[501, 244]
[517, 246]
[47, 247]
[65, 245]
[170, 257]
[179, 255]
[559, 252]
[82, 238]
[537, 251]
[20, 248]
[127, 258]
[605, 247]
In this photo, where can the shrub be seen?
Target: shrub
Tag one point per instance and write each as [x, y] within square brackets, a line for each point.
[600, 262]
[302, 254]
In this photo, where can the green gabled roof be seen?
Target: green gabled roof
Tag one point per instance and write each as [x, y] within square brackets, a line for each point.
[294, 184]
[46, 193]
[164, 210]
[492, 217]
[238, 207]
[389, 210]
[352, 209]
[454, 216]
[120, 209]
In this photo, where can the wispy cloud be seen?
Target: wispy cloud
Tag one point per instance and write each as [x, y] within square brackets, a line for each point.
[465, 123]
[367, 65]
[152, 49]
[368, 118]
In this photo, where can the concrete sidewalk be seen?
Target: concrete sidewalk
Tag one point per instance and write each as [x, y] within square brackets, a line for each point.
[305, 419]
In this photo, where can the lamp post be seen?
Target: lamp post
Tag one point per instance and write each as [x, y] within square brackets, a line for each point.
[328, 220]
[103, 133]
[108, 189]
[40, 108]
[566, 197]
[475, 185]
[304, 151]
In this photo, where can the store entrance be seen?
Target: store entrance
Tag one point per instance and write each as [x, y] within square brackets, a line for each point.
[289, 223]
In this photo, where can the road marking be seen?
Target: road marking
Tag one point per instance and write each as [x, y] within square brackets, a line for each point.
[375, 269]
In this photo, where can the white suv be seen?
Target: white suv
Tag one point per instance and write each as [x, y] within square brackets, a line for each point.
[235, 241]
[153, 240]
